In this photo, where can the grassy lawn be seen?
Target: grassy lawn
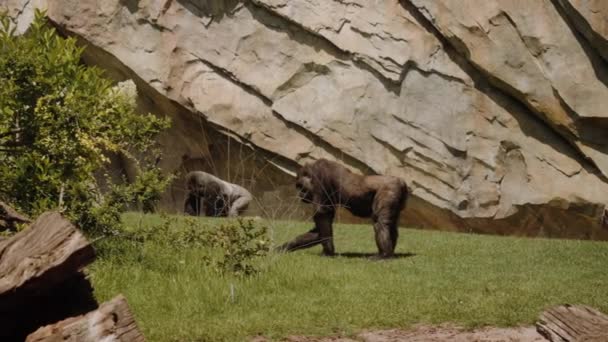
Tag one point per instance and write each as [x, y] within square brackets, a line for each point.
[470, 280]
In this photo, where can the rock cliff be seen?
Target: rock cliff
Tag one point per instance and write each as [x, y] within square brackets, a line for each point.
[494, 112]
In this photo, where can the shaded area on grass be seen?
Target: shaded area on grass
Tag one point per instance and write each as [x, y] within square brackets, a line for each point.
[469, 280]
[373, 255]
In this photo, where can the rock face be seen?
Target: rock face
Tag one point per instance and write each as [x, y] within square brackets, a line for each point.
[494, 112]
[590, 17]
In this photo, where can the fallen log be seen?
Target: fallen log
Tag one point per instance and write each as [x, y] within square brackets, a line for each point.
[573, 323]
[40, 276]
[112, 321]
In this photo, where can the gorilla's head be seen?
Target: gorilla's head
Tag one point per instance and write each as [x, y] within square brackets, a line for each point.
[304, 184]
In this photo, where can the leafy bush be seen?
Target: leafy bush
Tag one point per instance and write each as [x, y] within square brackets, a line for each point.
[235, 246]
[240, 244]
[59, 120]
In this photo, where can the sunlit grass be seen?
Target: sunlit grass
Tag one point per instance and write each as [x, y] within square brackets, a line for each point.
[466, 279]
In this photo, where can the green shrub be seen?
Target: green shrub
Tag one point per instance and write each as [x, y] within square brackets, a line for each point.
[59, 120]
[234, 246]
[240, 243]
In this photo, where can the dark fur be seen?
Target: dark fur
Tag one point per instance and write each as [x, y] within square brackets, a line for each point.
[328, 185]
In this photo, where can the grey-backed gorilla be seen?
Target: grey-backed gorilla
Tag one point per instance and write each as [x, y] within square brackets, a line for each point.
[327, 185]
[213, 196]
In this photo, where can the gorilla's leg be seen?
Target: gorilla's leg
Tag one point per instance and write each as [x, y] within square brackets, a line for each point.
[239, 206]
[382, 229]
[221, 207]
[306, 240]
[394, 230]
[320, 234]
[401, 193]
[323, 221]
[386, 207]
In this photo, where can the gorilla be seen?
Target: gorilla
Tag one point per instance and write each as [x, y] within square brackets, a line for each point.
[215, 196]
[326, 185]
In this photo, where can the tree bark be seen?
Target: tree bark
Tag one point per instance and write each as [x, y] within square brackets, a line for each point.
[40, 276]
[570, 323]
[113, 321]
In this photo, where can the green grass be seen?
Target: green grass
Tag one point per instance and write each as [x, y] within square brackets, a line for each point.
[470, 280]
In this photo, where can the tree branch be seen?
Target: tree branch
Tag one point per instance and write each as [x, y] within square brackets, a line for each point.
[12, 144]
[11, 132]
[9, 150]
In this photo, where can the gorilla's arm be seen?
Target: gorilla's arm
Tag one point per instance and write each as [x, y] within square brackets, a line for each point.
[323, 221]
[192, 205]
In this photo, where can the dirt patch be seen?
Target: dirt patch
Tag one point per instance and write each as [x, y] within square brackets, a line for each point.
[426, 333]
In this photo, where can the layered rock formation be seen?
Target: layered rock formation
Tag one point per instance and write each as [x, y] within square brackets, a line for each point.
[493, 111]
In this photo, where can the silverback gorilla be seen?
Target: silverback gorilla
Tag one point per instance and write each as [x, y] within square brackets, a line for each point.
[327, 185]
[215, 196]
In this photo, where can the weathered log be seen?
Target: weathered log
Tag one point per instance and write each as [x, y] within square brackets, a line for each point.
[9, 217]
[573, 323]
[113, 321]
[40, 276]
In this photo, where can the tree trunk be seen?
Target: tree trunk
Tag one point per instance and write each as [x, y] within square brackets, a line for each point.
[40, 276]
[113, 321]
[569, 323]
